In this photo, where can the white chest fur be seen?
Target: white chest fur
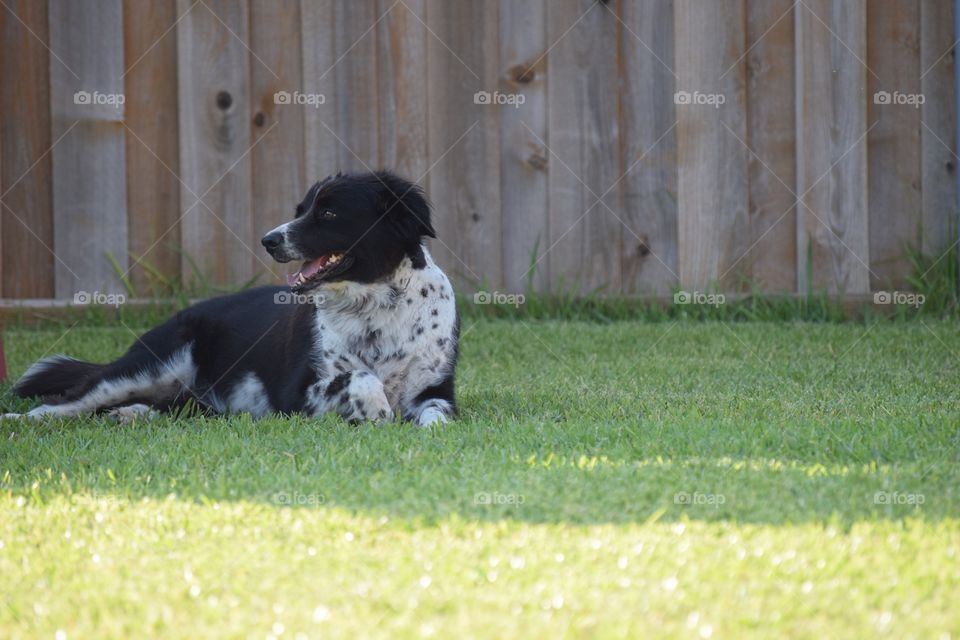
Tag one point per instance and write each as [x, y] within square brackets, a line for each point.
[402, 330]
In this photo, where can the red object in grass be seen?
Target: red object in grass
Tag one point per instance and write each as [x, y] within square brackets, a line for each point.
[3, 362]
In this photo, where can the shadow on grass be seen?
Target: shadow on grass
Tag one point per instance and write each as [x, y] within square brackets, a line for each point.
[555, 472]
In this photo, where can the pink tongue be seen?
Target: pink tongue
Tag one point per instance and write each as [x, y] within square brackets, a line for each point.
[309, 270]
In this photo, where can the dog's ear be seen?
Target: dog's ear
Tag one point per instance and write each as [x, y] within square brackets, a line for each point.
[406, 206]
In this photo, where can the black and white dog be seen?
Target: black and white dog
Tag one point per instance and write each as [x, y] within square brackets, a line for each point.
[368, 327]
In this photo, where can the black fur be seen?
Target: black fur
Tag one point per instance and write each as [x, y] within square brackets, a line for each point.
[59, 379]
[376, 219]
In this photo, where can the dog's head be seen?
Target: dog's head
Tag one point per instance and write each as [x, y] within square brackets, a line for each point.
[356, 228]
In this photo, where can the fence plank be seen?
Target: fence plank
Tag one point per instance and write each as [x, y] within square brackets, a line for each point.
[277, 159]
[893, 55]
[712, 176]
[25, 164]
[832, 146]
[649, 144]
[3, 371]
[583, 162]
[402, 86]
[89, 168]
[214, 107]
[339, 55]
[523, 156]
[938, 145]
[355, 98]
[153, 162]
[771, 86]
[464, 139]
[317, 44]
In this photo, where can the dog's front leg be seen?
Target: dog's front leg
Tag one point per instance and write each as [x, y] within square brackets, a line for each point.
[358, 396]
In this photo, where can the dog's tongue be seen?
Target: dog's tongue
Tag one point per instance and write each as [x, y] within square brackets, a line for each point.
[309, 270]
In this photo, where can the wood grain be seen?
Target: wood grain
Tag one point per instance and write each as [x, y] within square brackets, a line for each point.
[893, 54]
[694, 207]
[89, 163]
[355, 97]
[277, 160]
[832, 224]
[464, 140]
[938, 146]
[582, 89]
[712, 159]
[523, 132]
[402, 87]
[27, 262]
[318, 47]
[649, 146]
[214, 108]
[772, 137]
[153, 162]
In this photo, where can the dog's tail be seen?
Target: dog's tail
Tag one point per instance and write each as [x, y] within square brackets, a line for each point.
[57, 376]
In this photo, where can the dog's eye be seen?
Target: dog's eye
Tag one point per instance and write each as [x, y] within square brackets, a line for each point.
[327, 215]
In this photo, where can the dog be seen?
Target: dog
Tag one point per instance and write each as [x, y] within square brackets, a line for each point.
[367, 327]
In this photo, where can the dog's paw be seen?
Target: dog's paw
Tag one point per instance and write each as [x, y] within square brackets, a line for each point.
[364, 400]
[431, 416]
[129, 413]
[371, 409]
[32, 415]
[434, 412]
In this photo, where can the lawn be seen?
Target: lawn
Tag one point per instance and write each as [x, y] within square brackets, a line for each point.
[682, 479]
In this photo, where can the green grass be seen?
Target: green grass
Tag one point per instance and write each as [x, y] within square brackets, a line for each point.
[788, 438]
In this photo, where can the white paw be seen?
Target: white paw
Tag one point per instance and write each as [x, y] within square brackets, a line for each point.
[129, 413]
[21, 416]
[431, 416]
[367, 401]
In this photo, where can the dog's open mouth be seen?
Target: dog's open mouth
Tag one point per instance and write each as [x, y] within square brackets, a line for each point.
[314, 271]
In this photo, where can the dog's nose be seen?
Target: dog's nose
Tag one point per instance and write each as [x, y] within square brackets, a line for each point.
[272, 240]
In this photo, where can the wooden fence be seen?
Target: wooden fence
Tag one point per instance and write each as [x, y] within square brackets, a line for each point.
[634, 146]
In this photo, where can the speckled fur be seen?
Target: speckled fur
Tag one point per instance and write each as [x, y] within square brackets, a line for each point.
[401, 331]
